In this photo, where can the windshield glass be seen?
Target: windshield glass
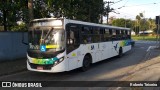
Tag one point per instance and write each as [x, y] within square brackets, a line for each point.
[54, 40]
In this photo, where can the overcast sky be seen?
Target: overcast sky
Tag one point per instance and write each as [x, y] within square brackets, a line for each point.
[150, 8]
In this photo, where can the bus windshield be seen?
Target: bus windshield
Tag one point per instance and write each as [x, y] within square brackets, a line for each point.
[54, 40]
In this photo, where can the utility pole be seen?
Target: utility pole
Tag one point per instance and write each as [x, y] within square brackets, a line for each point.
[125, 21]
[108, 9]
[158, 37]
[158, 27]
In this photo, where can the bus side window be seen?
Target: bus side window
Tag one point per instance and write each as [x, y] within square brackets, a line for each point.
[102, 34]
[72, 37]
[118, 37]
[129, 35]
[96, 34]
[110, 34]
[86, 36]
[107, 34]
[114, 37]
[122, 34]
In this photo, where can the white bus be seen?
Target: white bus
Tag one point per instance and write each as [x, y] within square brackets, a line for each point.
[57, 45]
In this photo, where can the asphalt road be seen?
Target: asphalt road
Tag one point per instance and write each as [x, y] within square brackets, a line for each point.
[113, 69]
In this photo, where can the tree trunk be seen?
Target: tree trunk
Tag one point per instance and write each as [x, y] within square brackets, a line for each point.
[4, 20]
[4, 16]
[30, 9]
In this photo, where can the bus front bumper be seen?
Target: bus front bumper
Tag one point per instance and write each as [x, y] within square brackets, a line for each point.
[61, 67]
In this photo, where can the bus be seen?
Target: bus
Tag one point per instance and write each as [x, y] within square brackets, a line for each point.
[58, 44]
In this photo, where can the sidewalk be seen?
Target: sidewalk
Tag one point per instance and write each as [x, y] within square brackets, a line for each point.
[148, 69]
[9, 67]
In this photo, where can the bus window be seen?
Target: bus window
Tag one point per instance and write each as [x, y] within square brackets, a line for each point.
[95, 30]
[126, 32]
[129, 35]
[102, 34]
[107, 35]
[102, 31]
[96, 34]
[114, 35]
[73, 40]
[85, 39]
[122, 34]
[86, 32]
[118, 37]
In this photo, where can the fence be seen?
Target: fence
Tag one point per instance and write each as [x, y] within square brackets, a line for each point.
[11, 46]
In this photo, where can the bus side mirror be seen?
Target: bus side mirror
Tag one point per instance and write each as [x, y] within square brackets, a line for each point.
[24, 40]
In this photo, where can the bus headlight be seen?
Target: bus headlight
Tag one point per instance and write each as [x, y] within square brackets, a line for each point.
[61, 59]
[58, 61]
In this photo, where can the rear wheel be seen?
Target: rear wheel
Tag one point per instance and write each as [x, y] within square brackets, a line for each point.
[120, 52]
[86, 63]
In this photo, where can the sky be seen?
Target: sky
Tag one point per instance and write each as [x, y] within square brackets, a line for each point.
[149, 8]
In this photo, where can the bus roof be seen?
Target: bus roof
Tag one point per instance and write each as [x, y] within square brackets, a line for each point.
[94, 24]
[81, 22]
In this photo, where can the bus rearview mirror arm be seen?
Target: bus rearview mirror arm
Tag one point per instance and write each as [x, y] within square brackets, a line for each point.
[23, 39]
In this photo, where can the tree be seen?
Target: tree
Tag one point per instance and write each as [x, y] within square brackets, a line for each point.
[152, 24]
[121, 22]
[13, 11]
[141, 15]
[111, 20]
[30, 9]
[144, 25]
[77, 9]
[140, 24]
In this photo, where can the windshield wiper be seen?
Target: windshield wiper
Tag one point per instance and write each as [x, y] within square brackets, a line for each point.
[48, 33]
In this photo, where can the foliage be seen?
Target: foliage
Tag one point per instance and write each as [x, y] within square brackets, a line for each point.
[21, 27]
[13, 11]
[121, 22]
[146, 38]
[83, 10]
[1, 28]
[140, 24]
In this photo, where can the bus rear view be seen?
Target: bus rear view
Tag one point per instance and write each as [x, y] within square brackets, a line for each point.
[46, 46]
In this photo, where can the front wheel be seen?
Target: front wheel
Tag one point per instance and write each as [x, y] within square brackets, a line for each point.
[86, 63]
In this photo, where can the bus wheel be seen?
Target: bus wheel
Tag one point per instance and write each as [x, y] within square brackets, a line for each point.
[86, 63]
[120, 52]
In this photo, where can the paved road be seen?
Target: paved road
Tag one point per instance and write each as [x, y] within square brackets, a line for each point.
[148, 42]
[113, 69]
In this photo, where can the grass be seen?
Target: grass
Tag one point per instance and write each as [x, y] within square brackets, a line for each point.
[145, 38]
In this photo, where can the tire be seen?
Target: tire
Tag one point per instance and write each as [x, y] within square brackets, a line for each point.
[132, 44]
[120, 54]
[86, 63]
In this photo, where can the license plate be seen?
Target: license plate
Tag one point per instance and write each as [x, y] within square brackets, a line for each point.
[40, 68]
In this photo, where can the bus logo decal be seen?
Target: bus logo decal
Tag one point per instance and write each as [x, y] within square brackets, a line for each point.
[115, 47]
[73, 54]
[43, 48]
[92, 47]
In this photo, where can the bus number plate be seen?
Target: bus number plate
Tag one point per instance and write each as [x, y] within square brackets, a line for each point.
[40, 68]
